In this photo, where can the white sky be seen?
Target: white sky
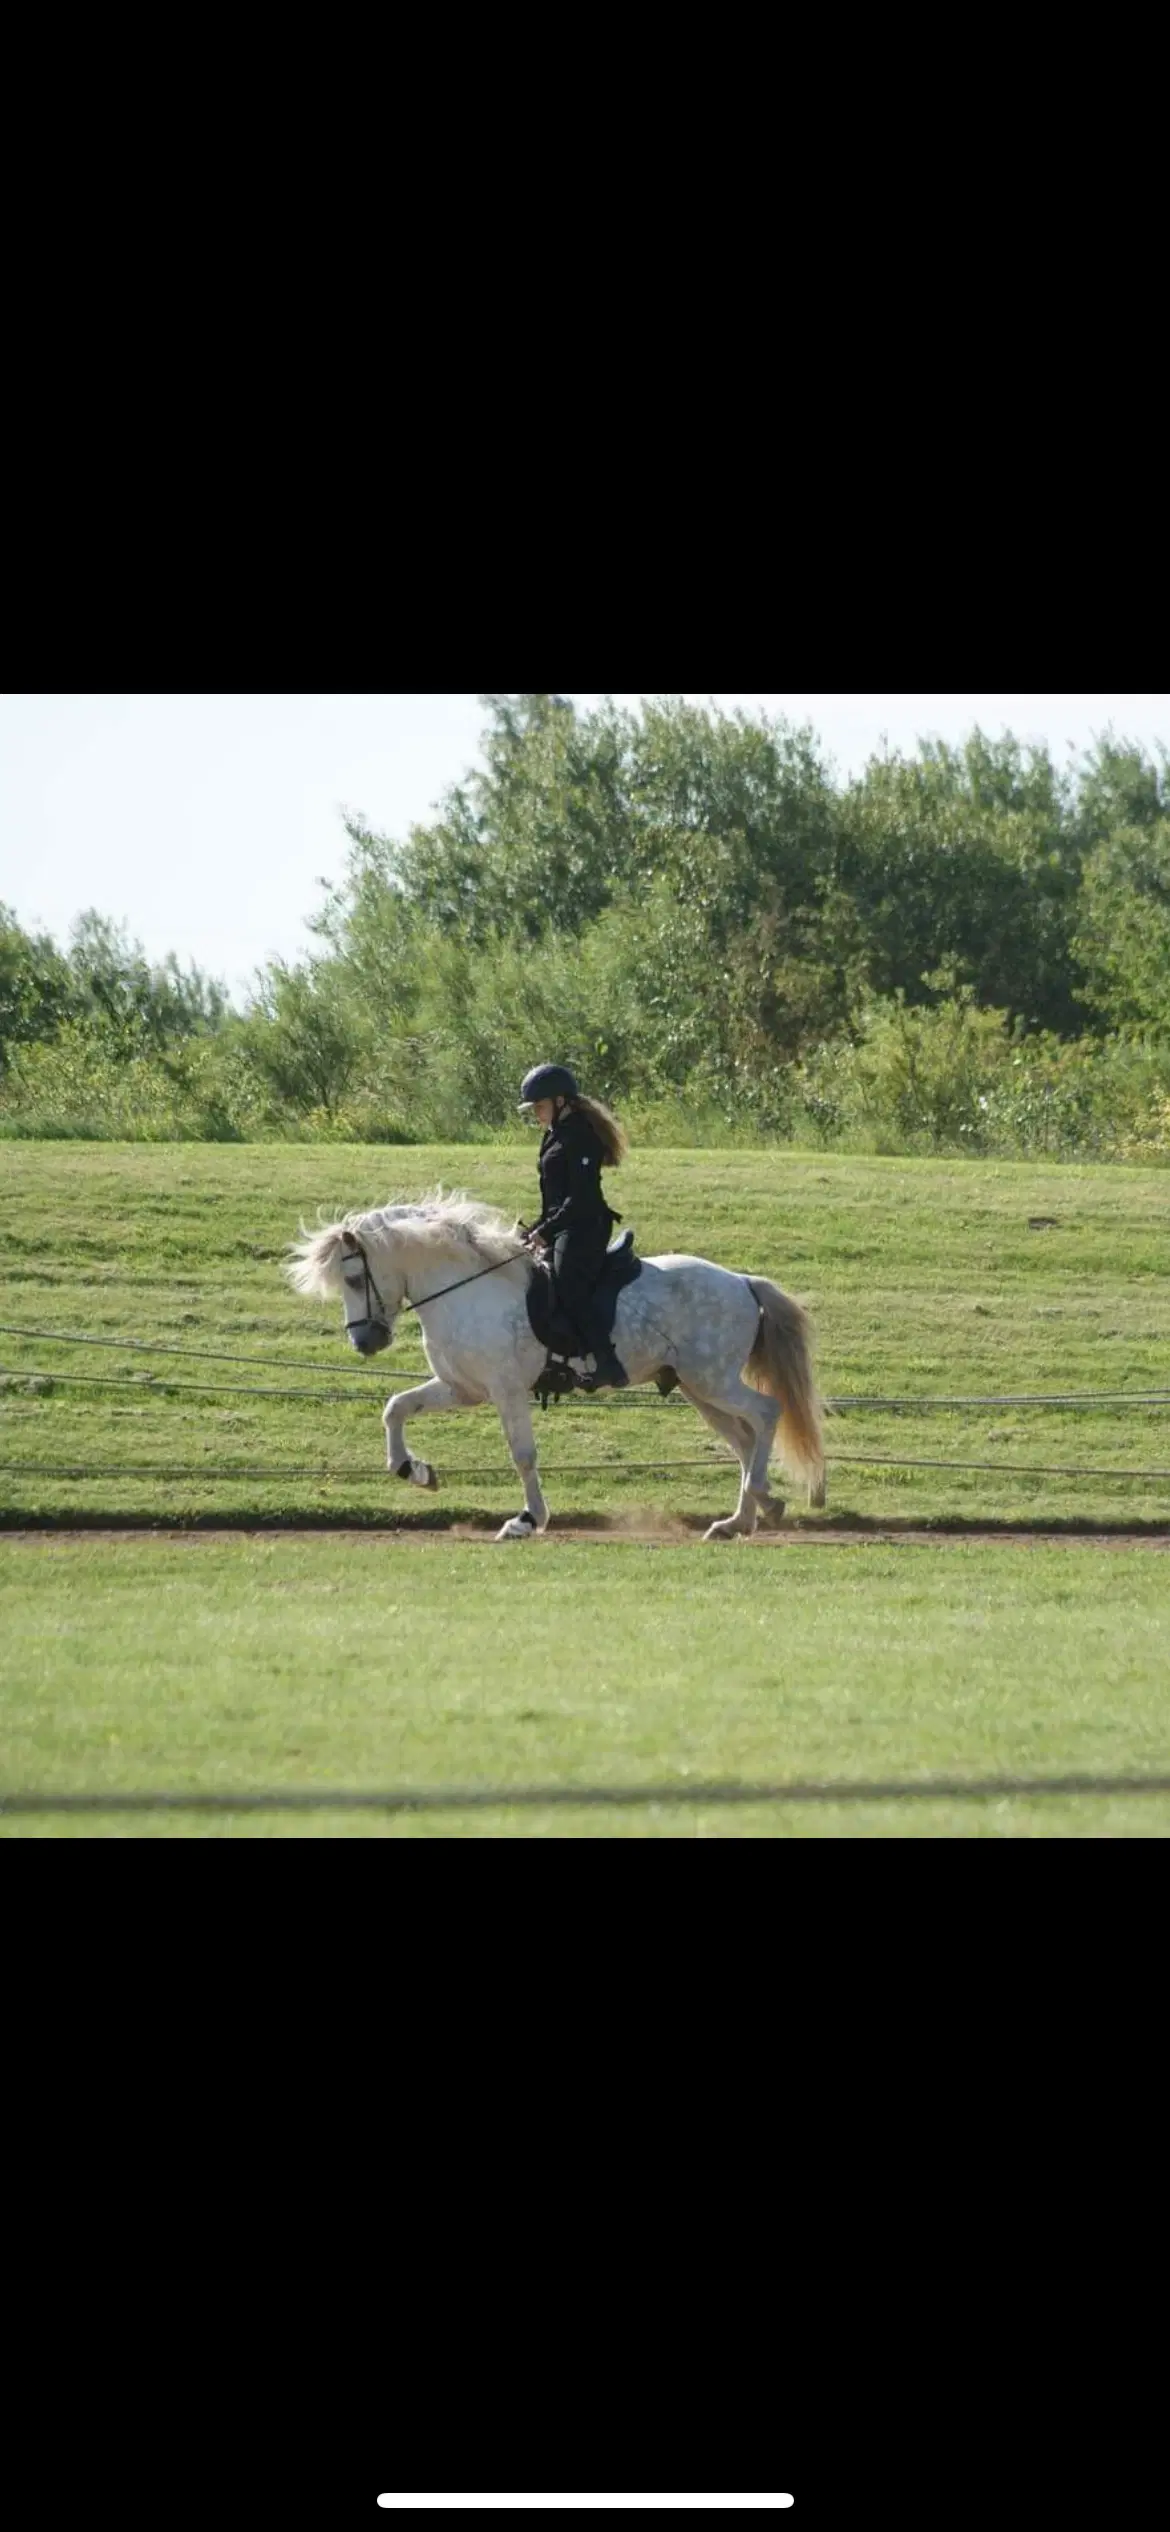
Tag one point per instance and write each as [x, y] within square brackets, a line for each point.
[204, 822]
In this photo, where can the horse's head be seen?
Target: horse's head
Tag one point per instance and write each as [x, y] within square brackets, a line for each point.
[369, 1323]
[337, 1261]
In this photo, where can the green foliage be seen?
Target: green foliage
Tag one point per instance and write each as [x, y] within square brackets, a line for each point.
[1120, 786]
[78, 1084]
[535, 840]
[962, 950]
[912, 1079]
[1123, 934]
[958, 1078]
[35, 987]
[103, 997]
[130, 1007]
[967, 859]
[301, 1040]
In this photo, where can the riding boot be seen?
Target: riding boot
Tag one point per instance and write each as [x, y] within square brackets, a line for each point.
[609, 1373]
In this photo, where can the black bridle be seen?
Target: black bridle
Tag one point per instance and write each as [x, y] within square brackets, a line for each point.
[381, 1317]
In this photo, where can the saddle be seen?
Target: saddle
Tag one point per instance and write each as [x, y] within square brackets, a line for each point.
[557, 1334]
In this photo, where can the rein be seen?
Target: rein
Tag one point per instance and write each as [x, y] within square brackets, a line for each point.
[444, 1289]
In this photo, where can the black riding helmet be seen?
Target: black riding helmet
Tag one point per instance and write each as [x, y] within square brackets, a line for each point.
[547, 1081]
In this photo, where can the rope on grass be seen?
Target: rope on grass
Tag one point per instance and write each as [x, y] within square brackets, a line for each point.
[992, 1467]
[351, 1476]
[1074, 1398]
[836, 1406]
[156, 1385]
[569, 1797]
[195, 1353]
[452, 1471]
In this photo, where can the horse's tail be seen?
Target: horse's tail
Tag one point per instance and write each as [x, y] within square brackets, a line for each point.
[780, 1363]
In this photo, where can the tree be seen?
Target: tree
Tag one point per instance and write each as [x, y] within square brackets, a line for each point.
[536, 840]
[1120, 786]
[300, 1038]
[130, 1004]
[35, 986]
[967, 859]
[1123, 933]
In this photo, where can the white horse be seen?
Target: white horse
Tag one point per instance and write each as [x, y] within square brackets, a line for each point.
[738, 1346]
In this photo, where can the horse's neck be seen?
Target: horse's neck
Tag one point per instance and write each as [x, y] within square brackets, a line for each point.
[429, 1265]
[431, 1271]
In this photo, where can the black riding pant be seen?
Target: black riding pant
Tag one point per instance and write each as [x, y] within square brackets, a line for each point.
[578, 1261]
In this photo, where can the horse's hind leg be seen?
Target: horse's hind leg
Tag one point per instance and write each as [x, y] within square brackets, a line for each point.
[768, 1505]
[747, 1419]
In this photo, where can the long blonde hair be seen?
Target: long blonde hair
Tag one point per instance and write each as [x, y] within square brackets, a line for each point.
[610, 1134]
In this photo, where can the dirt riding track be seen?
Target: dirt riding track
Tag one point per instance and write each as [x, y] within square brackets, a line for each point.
[643, 1529]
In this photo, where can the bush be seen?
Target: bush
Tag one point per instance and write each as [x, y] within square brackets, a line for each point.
[908, 1079]
[76, 1085]
[957, 1078]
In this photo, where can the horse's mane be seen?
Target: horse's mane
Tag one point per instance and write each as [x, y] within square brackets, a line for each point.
[456, 1222]
[457, 1226]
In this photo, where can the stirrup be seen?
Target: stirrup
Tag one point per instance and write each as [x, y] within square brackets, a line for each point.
[609, 1374]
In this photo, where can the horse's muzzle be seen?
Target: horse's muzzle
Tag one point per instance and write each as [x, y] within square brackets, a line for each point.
[368, 1336]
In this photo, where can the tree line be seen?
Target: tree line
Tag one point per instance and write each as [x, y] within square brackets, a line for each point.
[963, 947]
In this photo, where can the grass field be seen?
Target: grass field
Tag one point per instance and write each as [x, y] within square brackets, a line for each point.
[922, 1277]
[410, 1658]
[229, 1665]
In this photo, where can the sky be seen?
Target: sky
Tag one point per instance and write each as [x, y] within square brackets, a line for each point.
[205, 822]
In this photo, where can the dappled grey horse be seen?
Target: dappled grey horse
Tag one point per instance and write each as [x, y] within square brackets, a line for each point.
[737, 1345]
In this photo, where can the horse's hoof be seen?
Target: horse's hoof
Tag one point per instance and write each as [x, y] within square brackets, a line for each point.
[817, 1496]
[428, 1480]
[771, 1511]
[720, 1530]
[521, 1526]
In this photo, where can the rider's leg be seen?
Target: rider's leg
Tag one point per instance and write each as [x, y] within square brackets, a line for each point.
[610, 1372]
[579, 1260]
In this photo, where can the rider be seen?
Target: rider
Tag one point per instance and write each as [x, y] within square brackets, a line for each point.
[580, 1138]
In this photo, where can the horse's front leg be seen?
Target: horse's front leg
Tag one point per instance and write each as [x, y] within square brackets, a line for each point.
[430, 1398]
[516, 1417]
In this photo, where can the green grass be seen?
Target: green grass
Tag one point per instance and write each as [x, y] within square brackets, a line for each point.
[404, 1658]
[231, 1665]
[922, 1277]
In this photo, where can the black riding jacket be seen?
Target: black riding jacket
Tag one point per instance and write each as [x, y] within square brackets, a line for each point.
[571, 1162]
